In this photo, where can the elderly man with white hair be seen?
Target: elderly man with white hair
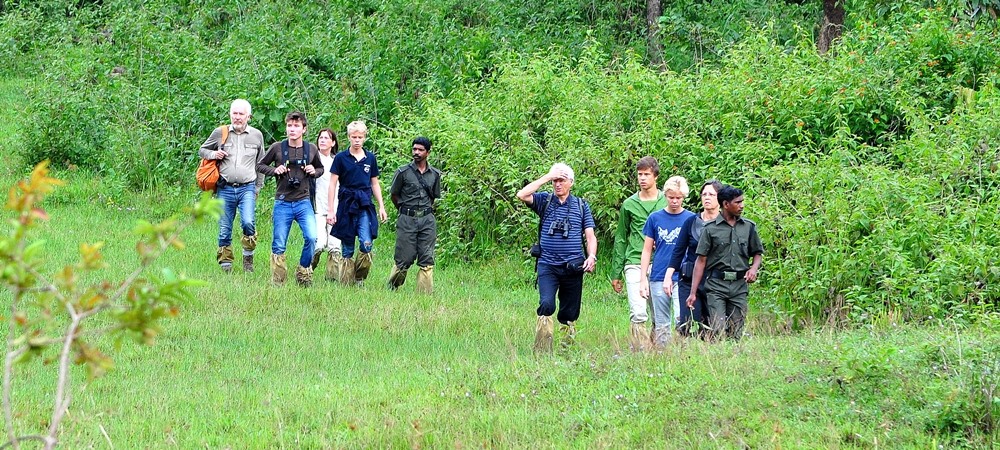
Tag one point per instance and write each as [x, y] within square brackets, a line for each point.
[237, 147]
[564, 222]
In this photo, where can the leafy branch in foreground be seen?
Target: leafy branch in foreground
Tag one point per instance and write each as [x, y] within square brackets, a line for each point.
[49, 310]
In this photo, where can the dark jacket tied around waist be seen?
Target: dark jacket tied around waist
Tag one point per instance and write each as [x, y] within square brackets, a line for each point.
[354, 203]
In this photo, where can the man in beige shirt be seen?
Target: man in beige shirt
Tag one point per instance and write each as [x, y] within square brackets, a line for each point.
[239, 182]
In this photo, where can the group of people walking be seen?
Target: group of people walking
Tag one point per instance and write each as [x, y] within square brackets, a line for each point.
[329, 193]
[664, 252]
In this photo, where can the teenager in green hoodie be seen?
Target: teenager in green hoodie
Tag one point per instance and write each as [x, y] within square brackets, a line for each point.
[628, 247]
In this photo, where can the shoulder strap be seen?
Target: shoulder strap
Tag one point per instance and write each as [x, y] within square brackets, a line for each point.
[312, 180]
[583, 222]
[225, 135]
[284, 151]
[421, 180]
[541, 217]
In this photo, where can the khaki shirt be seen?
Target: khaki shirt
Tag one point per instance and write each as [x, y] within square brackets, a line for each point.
[729, 248]
[244, 150]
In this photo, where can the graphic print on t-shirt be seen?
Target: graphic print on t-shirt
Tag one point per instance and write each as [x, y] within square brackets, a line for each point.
[668, 236]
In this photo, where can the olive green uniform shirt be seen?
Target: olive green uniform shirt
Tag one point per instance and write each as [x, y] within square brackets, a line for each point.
[628, 237]
[727, 247]
[411, 193]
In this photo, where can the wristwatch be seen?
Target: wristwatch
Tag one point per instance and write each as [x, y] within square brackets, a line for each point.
[592, 256]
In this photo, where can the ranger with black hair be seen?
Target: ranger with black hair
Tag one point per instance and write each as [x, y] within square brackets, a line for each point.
[414, 188]
[729, 253]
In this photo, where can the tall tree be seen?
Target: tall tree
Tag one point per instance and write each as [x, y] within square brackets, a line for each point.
[833, 25]
[654, 47]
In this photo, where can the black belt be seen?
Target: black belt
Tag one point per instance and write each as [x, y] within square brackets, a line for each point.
[728, 275]
[236, 185]
[416, 212]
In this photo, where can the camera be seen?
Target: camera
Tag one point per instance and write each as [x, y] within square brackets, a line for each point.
[296, 182]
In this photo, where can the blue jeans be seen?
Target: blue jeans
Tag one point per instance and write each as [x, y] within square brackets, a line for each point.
[301, 212]
[243, 199]
[569, 285]
[364, 237]
[663, 305]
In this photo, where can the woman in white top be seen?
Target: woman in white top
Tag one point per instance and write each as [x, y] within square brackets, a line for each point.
[327, 143]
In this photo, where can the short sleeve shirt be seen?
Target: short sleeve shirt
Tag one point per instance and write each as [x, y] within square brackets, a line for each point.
[323, 185]
[411, 193]
[664, 228]
[562, 227]
[354, 173]
[728, 247]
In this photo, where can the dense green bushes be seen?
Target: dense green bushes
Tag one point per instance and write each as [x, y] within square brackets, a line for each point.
[163, 71]
[872, 195]
[871, 171]
[166, 69]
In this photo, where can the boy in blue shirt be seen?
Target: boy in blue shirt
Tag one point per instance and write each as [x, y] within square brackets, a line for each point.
[661, 230]
[354, 174]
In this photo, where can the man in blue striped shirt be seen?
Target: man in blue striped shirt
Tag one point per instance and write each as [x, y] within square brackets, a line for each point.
[565, 222]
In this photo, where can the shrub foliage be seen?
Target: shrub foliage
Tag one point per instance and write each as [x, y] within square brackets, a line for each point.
[871, 170]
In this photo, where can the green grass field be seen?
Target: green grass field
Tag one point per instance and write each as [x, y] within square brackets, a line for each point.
[252, 366]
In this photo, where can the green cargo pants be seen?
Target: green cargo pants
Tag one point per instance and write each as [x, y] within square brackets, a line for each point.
[727, 306]
[415, 238]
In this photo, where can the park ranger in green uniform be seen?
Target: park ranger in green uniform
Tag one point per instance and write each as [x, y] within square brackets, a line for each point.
[415, 186]
[729, 255]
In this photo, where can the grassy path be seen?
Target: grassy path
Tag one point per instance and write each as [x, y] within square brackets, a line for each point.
[249, 365]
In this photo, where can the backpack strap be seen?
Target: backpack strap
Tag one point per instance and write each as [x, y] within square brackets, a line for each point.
[225, 135]
[312, 179]
[583, 221]
[541, 217]
[284, 151]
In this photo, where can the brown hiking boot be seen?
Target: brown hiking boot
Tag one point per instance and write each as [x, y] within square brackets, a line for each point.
[425, 280]
[362, 266]
[225, 258]
[249, 243]
[304, 276]
[279, 271]
[333, 265]
[544, 329]
[639, 337]
[347, 271]
[248, 263]
[568, 333]
[396, 278]
[661, 335]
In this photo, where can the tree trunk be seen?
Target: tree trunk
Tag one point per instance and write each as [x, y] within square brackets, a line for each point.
[654, 48]
[833, 25]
